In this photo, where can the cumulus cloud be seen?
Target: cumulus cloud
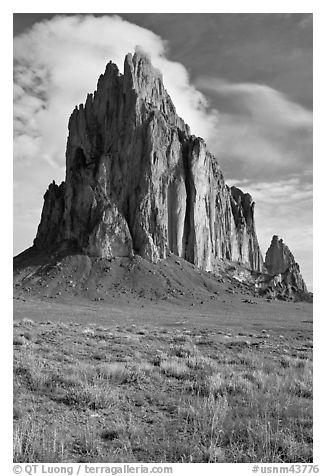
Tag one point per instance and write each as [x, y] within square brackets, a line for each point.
[260, 129]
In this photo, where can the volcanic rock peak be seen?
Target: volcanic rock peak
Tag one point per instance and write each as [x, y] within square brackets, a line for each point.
[280, 261]
[138, 181]
[278, 257]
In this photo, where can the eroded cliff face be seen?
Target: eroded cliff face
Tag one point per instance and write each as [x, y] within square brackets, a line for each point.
[247, 243]
[280, 263]
[137, 181]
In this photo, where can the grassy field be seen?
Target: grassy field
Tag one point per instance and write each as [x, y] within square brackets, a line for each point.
[146, 393]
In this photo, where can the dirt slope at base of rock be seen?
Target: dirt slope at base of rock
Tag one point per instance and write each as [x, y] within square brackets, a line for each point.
[70, 276]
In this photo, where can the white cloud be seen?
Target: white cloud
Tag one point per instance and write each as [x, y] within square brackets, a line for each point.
[262, 102]
[260, 130]
[283, 191]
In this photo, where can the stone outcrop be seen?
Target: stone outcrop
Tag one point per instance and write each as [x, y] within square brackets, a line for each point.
[243, 214]
[280, 264]
[137, 181]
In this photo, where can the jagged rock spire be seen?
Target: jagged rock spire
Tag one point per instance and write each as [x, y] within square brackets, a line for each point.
[280, 261]
[137, 181]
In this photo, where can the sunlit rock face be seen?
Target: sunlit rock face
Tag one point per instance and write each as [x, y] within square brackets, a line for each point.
[281, 264]
[137, 181]
[246, 239]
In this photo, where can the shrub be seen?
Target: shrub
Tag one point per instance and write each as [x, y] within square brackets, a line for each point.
[215, 384]
[92, 396]
[200, 362]
[146, 367]
[34, 443]
[18, 340]
[28, 322]
[205, 418]
[114, 371]
[174, 368]
[28, 335]
[88, 332]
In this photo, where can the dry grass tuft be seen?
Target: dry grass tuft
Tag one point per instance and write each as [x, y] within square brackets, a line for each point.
[175, 368]
[159, 397]
[114, 371]
[88, 332]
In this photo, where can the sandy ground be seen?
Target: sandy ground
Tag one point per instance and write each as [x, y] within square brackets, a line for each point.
[170, 293]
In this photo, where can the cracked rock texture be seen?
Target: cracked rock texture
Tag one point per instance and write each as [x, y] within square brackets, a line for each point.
[137, 181]
[281, 264]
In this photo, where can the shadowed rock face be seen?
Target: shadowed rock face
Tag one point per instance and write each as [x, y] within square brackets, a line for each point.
[137, 181]
[280, 263]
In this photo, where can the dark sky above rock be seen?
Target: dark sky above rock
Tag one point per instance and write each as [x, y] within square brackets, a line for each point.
[254, 71]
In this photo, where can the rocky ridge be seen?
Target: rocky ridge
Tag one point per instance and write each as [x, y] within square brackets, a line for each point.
[137, 181]
[286, 278]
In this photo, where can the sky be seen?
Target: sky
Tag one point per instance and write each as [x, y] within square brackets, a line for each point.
[243, 82]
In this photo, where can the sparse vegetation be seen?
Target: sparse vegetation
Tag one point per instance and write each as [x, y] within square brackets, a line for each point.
[114, 394]
[175, 368]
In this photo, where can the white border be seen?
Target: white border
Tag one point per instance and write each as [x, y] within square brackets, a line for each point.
[230, 6]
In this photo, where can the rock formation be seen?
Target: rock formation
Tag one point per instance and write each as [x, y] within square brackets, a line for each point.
[243, 213]
[137, 181]
[281, 265]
